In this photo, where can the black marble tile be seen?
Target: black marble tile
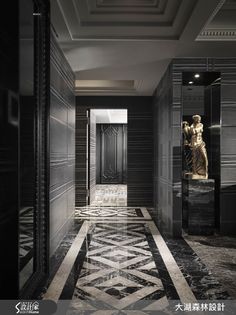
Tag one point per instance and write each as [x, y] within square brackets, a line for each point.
[168, 285]
[200, 280]
[199, 206]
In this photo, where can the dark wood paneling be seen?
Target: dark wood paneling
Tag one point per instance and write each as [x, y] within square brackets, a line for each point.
[62, 145]
[113, 150]
[139, 146]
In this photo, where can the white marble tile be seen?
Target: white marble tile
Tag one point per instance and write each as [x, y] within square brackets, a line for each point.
[148, 266]
[185, 293]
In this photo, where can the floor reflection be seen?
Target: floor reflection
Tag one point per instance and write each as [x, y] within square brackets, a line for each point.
[110, 195]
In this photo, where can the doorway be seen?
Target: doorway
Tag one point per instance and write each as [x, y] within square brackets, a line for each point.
[107, 178]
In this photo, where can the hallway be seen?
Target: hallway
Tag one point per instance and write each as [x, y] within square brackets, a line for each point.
[116, 259]
[117, 154]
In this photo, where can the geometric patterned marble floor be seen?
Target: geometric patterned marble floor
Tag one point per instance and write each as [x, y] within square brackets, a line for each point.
[93, 212]
[118, 270]
[118, 263]
[110, 195]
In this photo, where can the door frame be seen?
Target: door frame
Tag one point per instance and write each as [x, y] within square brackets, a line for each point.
[88, 148]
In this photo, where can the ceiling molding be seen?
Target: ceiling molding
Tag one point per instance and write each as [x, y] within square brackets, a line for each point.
[108, 87]
[95, 92]
[163, 19]
[220, 26]
[219, 34]
[142, 38]
[127, 3]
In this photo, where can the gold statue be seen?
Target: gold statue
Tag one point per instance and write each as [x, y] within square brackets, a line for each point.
[193, 139]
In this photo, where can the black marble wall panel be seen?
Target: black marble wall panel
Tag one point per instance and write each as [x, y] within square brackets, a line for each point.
[92, 157]
[9, 65]
[139, 147]
[167, 156]
[62, 146]
[172, 217]
[199, 206]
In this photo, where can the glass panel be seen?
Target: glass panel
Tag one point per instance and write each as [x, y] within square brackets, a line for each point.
[201, 149]
[201, 97]
[27, 141]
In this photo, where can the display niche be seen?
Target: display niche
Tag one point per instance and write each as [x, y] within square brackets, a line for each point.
[200, 151]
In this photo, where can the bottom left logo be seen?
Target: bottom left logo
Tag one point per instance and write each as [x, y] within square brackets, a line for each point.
[27, 308]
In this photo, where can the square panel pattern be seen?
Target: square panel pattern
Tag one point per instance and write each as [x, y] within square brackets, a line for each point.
[131, 19]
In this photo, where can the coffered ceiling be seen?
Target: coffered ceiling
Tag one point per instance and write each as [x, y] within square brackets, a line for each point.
[122, 47]
[130, 19]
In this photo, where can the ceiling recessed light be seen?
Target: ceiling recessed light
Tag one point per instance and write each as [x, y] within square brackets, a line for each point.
[197, 75]
[190, 82]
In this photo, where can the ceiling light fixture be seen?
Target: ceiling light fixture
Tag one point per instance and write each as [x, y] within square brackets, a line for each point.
[197, 75]
[190, 82]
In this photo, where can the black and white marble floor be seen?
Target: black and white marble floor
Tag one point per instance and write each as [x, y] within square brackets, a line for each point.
[115, 261]
[110, 195]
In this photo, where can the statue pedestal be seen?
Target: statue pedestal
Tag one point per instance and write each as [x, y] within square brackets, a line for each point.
[198, 206]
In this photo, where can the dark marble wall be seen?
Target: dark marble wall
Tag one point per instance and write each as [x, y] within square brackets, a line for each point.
[199, 206]
[167, 159]
[140, 145]
[62, 146]
[9, 65]
[168, 108]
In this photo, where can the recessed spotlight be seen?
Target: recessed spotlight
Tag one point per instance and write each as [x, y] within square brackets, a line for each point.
[190, 82]
[197, 75]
